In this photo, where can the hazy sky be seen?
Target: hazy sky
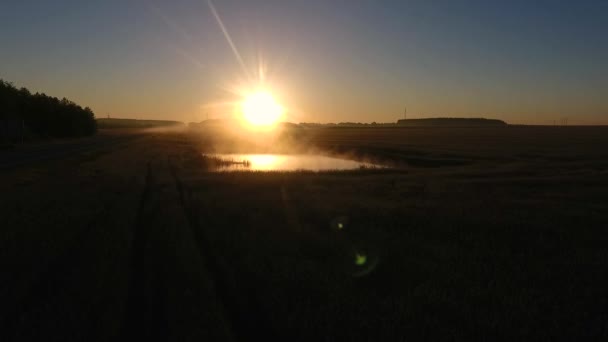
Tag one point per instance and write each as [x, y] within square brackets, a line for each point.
[327, 61]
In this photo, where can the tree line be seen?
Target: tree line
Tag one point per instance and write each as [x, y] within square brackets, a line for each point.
[44, 116]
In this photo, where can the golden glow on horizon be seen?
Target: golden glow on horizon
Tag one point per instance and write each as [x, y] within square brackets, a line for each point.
[261, 109]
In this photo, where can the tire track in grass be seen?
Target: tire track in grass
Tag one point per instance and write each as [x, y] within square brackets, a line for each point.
[146, 304]
[242, 304]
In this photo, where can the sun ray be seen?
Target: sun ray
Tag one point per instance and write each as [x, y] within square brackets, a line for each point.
[228, 38]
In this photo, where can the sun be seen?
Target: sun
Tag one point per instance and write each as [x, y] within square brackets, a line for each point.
[261, 109]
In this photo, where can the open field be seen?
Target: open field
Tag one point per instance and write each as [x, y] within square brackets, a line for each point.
[108, 123]
[493, 233]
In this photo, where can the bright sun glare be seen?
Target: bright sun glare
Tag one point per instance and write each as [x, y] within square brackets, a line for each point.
[261, 109]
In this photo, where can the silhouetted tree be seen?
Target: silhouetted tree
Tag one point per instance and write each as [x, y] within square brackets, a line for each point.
[43, 115]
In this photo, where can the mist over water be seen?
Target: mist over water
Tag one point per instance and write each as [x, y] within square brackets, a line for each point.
[287, 162]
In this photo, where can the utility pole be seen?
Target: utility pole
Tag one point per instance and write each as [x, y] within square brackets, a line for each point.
[405, 114]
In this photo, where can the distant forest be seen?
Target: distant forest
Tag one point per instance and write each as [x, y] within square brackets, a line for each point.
[41, 116]
[425, 122]
[452, 122]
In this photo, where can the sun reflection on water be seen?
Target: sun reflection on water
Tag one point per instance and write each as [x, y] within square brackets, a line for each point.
[287, 162]
[264, 162]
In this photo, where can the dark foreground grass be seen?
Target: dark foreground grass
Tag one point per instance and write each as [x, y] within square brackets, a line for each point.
[141, 241]
[417, 255]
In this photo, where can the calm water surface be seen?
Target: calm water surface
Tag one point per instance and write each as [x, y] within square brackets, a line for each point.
[287, 162]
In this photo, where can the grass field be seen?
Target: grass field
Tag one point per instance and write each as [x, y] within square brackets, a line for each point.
[494, 233]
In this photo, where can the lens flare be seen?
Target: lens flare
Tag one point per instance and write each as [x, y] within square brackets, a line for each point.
[360, 259]
[364, 264]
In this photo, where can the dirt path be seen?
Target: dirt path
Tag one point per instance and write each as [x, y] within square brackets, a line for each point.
[119, 262]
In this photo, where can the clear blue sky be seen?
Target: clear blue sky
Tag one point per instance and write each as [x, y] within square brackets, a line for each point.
[326, 60]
